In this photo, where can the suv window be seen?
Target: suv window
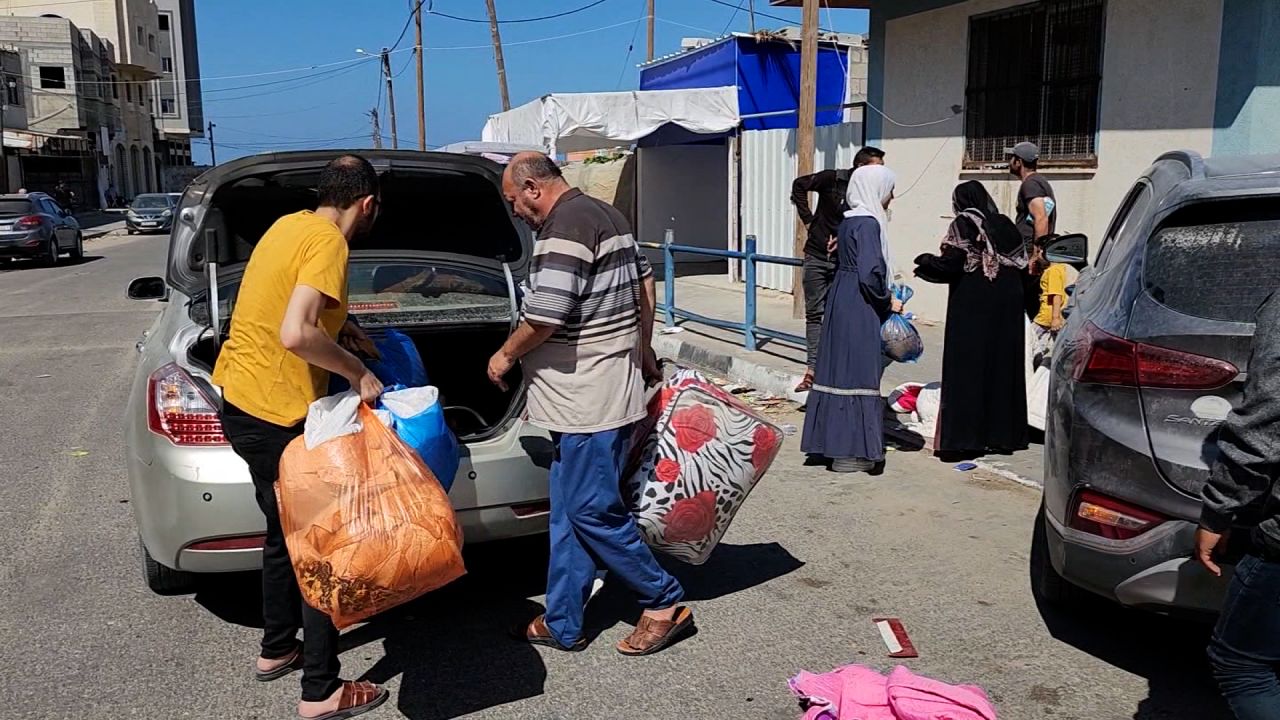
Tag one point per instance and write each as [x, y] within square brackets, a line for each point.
[1216, 261]
[1133, 208]
[10, 208]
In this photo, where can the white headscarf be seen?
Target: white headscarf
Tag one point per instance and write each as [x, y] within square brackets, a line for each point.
[869, 187]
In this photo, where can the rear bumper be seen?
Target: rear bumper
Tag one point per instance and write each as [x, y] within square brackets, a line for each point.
[1153, 571]
[20, 245]
[142, 226]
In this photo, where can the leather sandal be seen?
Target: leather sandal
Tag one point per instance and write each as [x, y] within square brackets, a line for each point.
[293, 661]
[358, 698]
[806, 384]
[537, 633]
[651, 635]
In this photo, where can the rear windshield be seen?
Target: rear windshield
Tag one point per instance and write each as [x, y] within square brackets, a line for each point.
[1219, 269]
[14, 207]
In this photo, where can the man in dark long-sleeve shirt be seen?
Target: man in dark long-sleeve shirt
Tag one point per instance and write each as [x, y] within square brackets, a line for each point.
[819, 269]
[1243, 491]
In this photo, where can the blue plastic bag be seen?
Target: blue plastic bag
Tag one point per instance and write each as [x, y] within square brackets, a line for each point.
[401, 364]
[899, 339]
[418, 419]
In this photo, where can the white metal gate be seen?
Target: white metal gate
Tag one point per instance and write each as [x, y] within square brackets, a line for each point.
[768, 167]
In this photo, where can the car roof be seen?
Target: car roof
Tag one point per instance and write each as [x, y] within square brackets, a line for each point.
[1212, 178]
[23, 196]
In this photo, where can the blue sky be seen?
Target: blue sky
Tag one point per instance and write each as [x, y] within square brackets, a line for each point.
[328, 106]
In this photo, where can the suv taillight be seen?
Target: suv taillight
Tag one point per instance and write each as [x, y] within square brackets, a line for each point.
[30, 222]
[1111, 360]
[180, 411]
[1107, 517]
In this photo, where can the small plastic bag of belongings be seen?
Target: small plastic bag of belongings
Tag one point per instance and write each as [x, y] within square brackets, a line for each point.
[367, 524]
[899, 339]
[418, 419]
[398, 363]
[694, 460]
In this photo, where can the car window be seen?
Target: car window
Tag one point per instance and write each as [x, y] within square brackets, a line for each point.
[1221, 266]
[10, 208]
[52, 207]
[151, 202]
[1132, 209]
[412, 293]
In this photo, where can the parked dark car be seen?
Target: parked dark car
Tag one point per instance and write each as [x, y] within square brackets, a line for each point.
[1151, 361]
[151, 212]
[33, 226]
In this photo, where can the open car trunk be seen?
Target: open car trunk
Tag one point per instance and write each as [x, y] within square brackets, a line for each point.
[440, 263]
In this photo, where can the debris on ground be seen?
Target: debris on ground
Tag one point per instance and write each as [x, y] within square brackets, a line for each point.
[671, 330]
[895, 638]
[966, 466]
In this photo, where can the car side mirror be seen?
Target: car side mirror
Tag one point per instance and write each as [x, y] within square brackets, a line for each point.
[148, 288]
[1071, 249]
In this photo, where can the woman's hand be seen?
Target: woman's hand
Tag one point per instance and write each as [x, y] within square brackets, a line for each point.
[895, 305]
[832, 244]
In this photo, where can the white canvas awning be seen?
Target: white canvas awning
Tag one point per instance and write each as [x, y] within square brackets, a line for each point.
[573, 122]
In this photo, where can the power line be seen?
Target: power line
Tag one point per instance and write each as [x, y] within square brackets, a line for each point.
[765, 15]
[485, 21]
[314, 81]
[631, 46]
[733, 17]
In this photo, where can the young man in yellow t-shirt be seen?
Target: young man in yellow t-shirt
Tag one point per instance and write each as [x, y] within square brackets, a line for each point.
[289, 316]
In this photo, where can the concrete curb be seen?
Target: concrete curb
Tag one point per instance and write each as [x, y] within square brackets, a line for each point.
[770, 380]
[102, 230]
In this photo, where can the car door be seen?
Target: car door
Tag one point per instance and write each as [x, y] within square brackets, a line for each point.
[58, 217]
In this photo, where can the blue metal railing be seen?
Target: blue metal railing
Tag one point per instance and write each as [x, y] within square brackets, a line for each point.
[748, 327]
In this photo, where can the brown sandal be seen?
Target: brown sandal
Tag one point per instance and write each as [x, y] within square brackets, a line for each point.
[537, 633]
[293, 661]
[806, 384]
[358, 698]
[651, 635]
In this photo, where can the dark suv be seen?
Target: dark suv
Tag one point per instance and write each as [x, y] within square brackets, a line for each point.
[1151, 361]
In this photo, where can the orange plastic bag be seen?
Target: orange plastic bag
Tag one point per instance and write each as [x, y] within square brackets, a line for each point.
[367, 525]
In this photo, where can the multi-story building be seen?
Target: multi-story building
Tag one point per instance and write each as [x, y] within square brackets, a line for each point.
[56, 84]
[178, 105]
[133, 26]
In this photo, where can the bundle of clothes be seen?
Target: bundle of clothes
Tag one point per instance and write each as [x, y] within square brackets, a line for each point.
[857, 692]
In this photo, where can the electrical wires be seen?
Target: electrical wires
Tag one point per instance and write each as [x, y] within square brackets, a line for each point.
[566, 13]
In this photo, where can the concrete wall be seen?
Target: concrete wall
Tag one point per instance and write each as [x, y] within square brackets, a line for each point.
[1248, 106]
[1159, 77]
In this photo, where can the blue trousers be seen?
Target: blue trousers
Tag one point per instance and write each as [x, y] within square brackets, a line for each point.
[591, 529]
[1245, 650]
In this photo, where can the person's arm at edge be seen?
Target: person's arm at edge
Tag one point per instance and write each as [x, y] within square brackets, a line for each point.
[1248, 458]
[301, 335]
[1041, 218]
[800, 189]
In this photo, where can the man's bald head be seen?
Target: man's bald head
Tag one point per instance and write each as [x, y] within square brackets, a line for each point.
[533, 183]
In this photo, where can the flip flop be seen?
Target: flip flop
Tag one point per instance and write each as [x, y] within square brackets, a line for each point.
[651, 635]
[294, 663]
[806, 384]
[358, 698]
[537, 633]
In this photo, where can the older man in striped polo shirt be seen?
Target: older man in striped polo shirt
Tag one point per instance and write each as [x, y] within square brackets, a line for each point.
[584, 344]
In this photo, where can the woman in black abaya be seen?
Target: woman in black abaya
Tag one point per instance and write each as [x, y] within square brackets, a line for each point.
[984, 396]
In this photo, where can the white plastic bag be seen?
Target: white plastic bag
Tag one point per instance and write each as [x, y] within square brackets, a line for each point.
[332, 417]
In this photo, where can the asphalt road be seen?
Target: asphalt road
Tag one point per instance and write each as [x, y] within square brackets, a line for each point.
[810, 560]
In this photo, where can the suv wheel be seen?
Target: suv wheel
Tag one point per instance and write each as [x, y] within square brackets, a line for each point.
[77, 252]
[51, 255]
[165, 580]
[1046, 584]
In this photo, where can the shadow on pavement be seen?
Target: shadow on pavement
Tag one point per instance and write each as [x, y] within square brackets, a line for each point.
[1169, 652]
[7, 266]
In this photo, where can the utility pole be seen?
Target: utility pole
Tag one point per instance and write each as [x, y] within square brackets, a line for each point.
[422, 99]
[213, 152]
[649, 57]
[377, 130]
[497, 55]
[804, 132]
[391, 98]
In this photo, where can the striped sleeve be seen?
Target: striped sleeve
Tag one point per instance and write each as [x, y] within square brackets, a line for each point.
[562, 274]
[643, 268]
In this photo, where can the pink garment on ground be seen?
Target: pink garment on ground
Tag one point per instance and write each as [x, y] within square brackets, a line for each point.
[914, 697]
[856, 692]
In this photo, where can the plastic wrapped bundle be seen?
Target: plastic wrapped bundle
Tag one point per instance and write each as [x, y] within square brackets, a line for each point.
[899, 339]
[696, 457]
[367, 525]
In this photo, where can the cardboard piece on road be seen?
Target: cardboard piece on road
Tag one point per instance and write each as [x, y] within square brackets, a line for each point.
[895, 638]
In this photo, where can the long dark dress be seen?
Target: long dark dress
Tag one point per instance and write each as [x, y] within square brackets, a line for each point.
[984, 394]
[845, 414]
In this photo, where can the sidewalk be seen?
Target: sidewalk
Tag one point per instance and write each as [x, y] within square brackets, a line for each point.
[96, 223]
[776, 367]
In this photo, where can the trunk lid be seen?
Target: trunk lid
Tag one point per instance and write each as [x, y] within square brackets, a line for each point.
[1205, 272]
[434, 205]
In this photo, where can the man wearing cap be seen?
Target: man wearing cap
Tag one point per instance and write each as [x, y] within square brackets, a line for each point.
[1037, 215]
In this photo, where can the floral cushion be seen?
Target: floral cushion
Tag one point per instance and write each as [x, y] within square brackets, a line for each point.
[696, 458]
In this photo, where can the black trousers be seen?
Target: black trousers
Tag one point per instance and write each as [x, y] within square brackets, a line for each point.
[261, 444]
[815, 280]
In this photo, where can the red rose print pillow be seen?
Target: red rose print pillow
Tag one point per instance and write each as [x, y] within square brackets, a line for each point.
[697, 457]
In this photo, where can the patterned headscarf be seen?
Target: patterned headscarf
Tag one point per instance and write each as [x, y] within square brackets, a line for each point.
[972, 201]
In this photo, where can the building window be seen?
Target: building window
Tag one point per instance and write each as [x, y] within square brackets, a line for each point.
[115, 88]
[166, 64]
[13, 90]
[142, 35]
[128, 92]
[168, 106]
[164, 23]
[53, 77]
[1034, 74]
[151, 43]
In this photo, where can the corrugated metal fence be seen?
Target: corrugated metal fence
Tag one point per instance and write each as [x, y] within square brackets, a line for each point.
[768, 167]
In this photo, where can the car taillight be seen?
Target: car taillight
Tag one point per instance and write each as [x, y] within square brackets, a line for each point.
[30, 222]
[1110, 360]
[180, 411]
[1107, 517]
[240, 542]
